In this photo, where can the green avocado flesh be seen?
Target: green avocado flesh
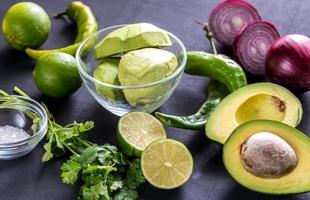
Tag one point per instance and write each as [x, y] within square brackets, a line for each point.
[107, 72]
[145, 66]
[297, 180]
[251, 102]
[131, 37]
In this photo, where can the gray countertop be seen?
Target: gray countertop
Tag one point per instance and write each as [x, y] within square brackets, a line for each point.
[28, 178]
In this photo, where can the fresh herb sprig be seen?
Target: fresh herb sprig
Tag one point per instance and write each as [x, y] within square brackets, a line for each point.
[9, 101]
[106, 172]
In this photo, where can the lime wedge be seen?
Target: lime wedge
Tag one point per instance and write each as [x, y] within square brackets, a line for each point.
[136, 130]
[166, 164]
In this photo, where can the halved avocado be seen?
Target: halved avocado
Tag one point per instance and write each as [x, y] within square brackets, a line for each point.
[255, 101]
[296, 180]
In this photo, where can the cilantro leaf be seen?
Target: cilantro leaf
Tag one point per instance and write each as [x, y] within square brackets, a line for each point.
[109, 154]
[86, 126]
[48, 152]
[126, 194]
[116, 185]
[119, 158]
[62, 138]
[105, 157]
[70, 170]
[88, 155]
[35, 124]
[98, 191]
[134, 176]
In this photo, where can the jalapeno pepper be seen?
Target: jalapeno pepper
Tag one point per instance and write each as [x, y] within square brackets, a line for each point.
[86, 23]
[217, 67]
[216, 92]
[227, 73]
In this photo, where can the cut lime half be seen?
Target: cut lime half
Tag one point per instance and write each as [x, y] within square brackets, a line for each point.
[166, 164]
[136, 130]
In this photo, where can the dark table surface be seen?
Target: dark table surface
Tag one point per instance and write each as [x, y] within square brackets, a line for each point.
[27, 178]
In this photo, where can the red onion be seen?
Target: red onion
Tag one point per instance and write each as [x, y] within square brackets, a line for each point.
[252, 43]
[228, 17]
[288, 62]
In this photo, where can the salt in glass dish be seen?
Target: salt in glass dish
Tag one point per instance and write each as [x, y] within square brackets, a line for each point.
[20, 112]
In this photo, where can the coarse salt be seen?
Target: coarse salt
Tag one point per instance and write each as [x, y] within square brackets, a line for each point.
[10, 134]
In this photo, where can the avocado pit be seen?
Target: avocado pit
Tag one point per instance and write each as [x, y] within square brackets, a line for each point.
[267, 155]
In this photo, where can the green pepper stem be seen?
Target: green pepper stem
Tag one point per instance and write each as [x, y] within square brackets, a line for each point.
[209, 35]
[58, 15]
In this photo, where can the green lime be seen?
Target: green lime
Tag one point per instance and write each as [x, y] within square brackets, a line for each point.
[56, 75]
[136, 130]
[25, 24]
[166, 164]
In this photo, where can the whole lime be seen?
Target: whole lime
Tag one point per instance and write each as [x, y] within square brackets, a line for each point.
[25, 24]
[56, 75]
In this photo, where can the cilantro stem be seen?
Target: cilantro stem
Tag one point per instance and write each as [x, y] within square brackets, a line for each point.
[106, 169]
[20, 92]
[3, 93]
[85, 142]
[71, 150]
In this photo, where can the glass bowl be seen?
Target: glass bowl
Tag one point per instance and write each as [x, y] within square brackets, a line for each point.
[157, 92]
[23, 113]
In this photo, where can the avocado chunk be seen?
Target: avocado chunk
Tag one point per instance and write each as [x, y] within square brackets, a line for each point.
[143, 66]
[107, 72]
[255, 101]
[269, 157]
[132, 37]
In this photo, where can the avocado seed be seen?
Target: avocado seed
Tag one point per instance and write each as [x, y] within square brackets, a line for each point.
[267, 155]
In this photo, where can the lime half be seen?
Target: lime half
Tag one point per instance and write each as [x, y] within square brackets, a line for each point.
[136, 130]
[166, 164]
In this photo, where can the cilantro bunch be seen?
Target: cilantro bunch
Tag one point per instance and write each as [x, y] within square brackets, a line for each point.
[107, 174]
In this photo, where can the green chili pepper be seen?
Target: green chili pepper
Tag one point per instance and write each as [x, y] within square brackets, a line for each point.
[216, 92]
[228, 75]
[86, 23]
[217, 67]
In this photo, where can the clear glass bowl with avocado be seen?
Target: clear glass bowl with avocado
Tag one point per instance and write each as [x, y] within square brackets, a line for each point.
[133, 67]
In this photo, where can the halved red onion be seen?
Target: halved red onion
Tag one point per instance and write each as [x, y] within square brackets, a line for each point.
[229, 17]
[252, 43]
[288, 62]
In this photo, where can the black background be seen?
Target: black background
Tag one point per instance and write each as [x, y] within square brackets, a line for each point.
[27, 178]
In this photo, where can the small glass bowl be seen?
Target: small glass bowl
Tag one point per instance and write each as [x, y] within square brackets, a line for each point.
[20, 113]
[157, 92]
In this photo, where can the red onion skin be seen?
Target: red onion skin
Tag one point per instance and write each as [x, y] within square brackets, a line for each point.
[288, 62]
[228, 39]
[259, 68]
